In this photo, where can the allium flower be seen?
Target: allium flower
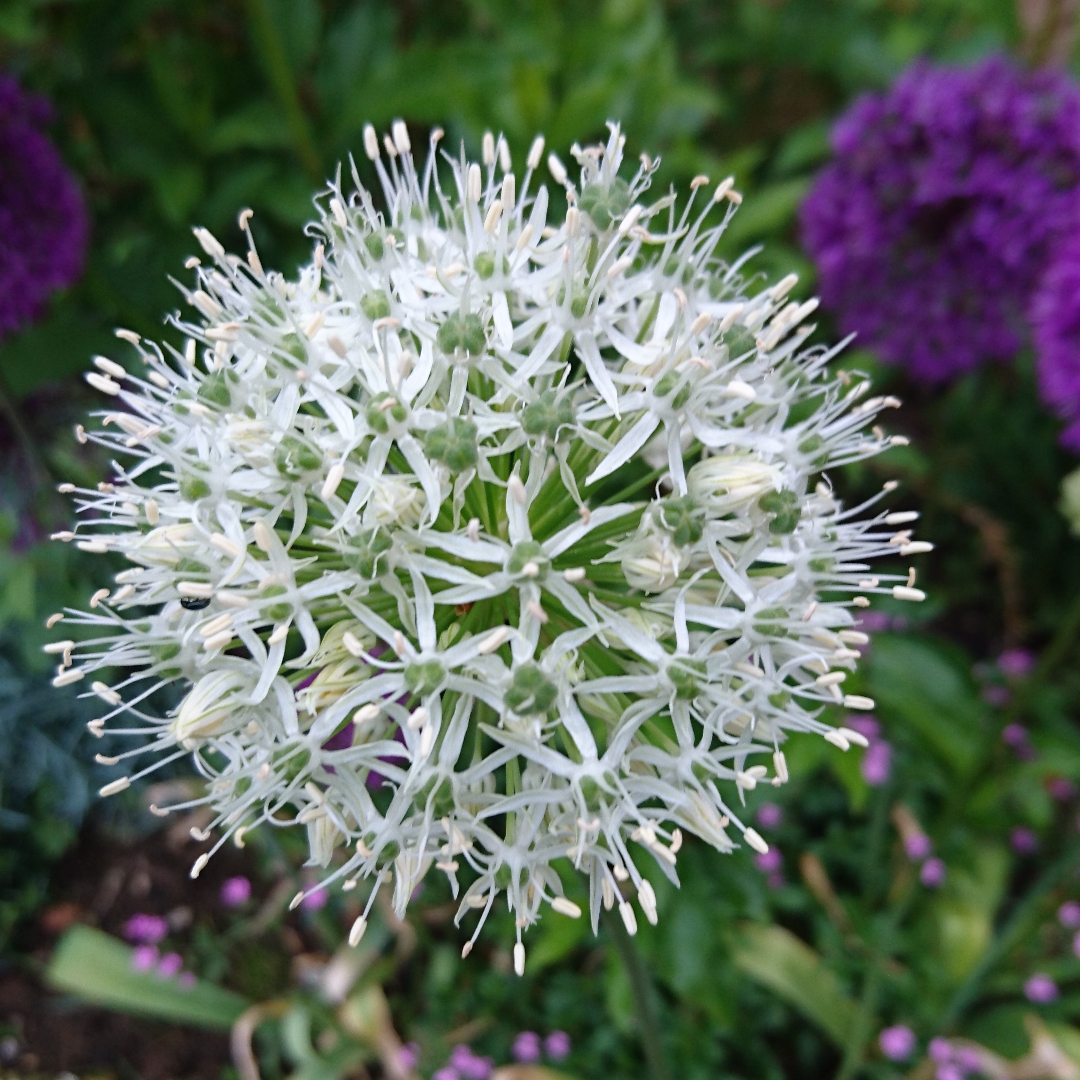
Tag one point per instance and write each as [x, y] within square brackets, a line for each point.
[1040, 989]
[547, 501]
[43, 224]
[932, 227]
[235, 892]
[1069, 914]
[557, 1045]
[146, 929]
[1055, 317]
[526, 1048]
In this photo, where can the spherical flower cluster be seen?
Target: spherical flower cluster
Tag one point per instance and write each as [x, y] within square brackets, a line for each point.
[43, 224]
[531, 518]
[1055, 317]
[932, 227]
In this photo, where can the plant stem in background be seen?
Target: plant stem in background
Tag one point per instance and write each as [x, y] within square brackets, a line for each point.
[275, 63]
[862, 1028]
[643, 993]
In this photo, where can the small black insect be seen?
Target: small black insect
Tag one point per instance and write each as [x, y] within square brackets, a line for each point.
[194, 603]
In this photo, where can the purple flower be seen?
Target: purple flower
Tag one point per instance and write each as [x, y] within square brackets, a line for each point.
[1040, 989]
[170, 965]
[1024, 841]
[770, 861]
[408, 1056]
[1016, 663]
[1060, 788]
[526, 1048]
[917, 846]
[865, 725]
[236, 892]
[43, 223]
[877, 763]
[187, 980]
[940, 1050]
[446, 1073]
[949, 1071]
[1069, 915]
[557, 1045]
[1055, 316]
[468, 1065]
[969, 1059]
[897, 1043]
[931, 228]
[873, 622]
[144, 957]
[932, 873]
[146, 929]
[769, 815]
[314, 901]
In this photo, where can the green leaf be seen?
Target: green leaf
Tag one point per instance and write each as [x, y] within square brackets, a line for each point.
[257, 126]
[777, 959]
[97, 968]
[917, 683]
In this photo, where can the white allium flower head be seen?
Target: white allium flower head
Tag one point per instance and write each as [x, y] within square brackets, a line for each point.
[490, 541]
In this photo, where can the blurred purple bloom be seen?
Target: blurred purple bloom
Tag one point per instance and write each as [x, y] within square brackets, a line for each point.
[932, 873]
[1040, 989]
[146, 929]
[1024, 841]
[949, 1071]
[969, 1059]
[43, 223]
[446, 1073]
[1069, 915]
[144, 957]
[236, 892]
[917, 846]
[897, 1043]
[769, 815]
[1016, 663]
[170, 965]
[468, 1065]
[187, 980]
[408, 1056]
[939, 1050]
[557, 1045]
[865, 725]
[1014, 734]
[314, 901]
[526, 1048]
[770, 861]
[1060, 788]
[1055, 316]
[931, 227]
[877, 763]
[873, 622]
[995, 695]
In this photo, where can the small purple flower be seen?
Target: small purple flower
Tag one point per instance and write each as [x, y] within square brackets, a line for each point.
[43, 223]
[769, 815]
[1014, 735]
[236, 892]
[146, 929]
[144, 958]
[1040, 989]
[1016, 663]
[526, 1048]
[932, 226]
[408, 1056]
[1023, 841]
[995, 695]
[917, 846]
[1055, 315]
[769, 862]
[557, 1045]
[315, 901]
[1061, 789]
[468, 1065]
[445, 1073]
[876, 764]
[170, 965]
[873, 622]
[865, 725]
[969, 1059]
[187, 980]
[897, 1043]
[950, 1070]
[1069, 914]
[932, 873]
[940, 1050]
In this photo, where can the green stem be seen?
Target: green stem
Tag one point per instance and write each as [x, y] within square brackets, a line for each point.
[862, 1027]
[1012, 933]
[648, 1027]
[271, 52]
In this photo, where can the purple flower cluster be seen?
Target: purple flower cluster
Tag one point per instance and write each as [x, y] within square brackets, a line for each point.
[147, 931]
[953, 1062]
[1055, 317]
[876, 764]
[932, 227]
[43, 223]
